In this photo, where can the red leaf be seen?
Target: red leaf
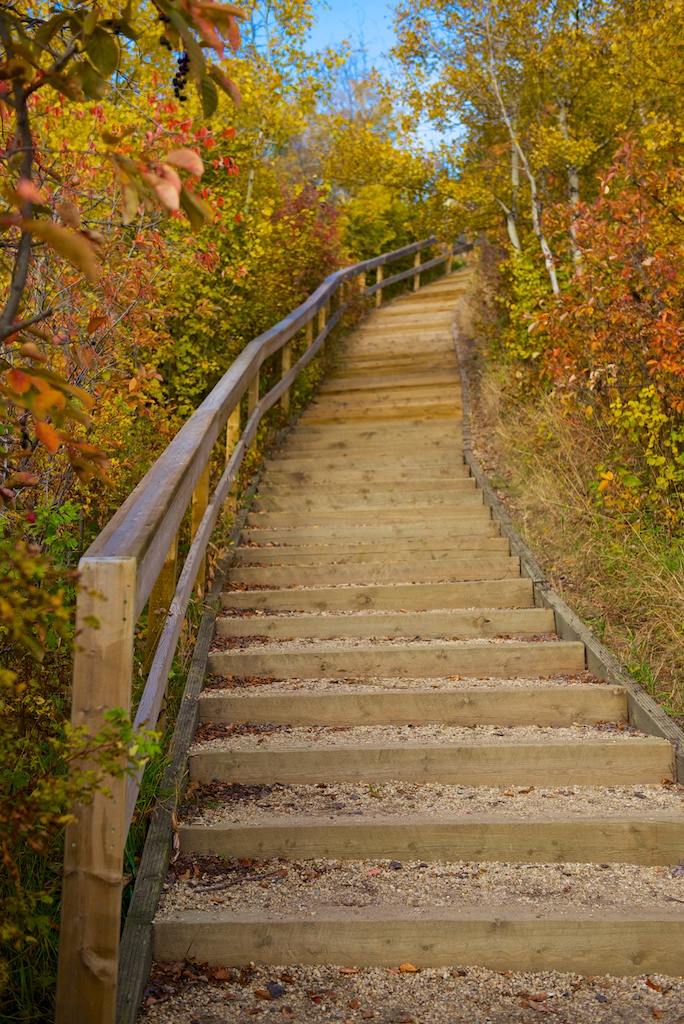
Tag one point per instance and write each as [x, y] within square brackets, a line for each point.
[186, 160]
[95, 322]
[19, 381]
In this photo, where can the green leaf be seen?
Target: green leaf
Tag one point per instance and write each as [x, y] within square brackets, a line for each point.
[72, 246]
[93, 85]
[49, 30]
[127, 30]
[103, 50]
[208, 93]
[198, 213]
[90, 21]
[227, 84]
[67, 86]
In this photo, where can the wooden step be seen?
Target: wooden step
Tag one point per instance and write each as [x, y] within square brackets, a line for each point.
[470, 547]
[497, 567]
[513, 706]
[383, 535]
[329, 487]
[436, 498]
[426, 454]
[513, 593]
[500, 938]
[459, 491]
[363, 413]
[312, 474]
[404, 660]
[340, 385]
[483, 622]
[655, 839]
[416, 517]
[606, 762]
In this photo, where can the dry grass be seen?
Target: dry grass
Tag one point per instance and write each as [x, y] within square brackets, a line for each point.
[626, 582]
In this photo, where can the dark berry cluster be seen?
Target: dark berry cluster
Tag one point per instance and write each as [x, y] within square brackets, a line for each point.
[181, 77]
[163, 41]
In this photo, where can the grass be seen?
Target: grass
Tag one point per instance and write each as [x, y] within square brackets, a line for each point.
[624, 578]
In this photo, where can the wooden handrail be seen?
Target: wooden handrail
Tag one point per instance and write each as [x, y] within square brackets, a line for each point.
[118, 573]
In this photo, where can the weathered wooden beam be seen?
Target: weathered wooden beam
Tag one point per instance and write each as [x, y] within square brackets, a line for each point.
[95, 839]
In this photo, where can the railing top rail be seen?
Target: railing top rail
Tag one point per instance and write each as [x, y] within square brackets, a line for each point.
[146, 522]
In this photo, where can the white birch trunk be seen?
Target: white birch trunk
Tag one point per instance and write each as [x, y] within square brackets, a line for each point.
[536, 205]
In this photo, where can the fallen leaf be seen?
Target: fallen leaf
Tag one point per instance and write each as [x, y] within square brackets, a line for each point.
[354, 1004]
[408, 968]
[540, 1007]
[262, 993]
[654, 985]
[349, 970]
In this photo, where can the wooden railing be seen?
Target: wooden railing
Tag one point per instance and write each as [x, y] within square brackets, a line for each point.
[133, 562]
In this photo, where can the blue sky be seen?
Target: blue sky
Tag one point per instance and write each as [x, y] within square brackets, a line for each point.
[367, 23]
[360, 21]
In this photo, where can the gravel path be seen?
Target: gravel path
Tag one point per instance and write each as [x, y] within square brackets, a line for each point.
[193, 994]
[281, 737]
[232, 803]
[243, 686]
[291, 887]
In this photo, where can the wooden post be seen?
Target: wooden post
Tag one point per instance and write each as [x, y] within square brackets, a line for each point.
[362, 283]
[95, 839]
[232, 438]
[321, 318]
[416, 277]
[200, 500]
[232, 431]
[286, 364]
[309, 333]
[253, 395]
[450, 261]
[378, 294]
[160, 601]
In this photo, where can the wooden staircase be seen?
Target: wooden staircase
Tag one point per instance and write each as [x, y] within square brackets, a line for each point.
[399, 760]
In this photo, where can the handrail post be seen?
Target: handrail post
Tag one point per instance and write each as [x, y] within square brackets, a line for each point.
[362, 283]
[96, 836]
[285, 367]
[200, 500]
[232, 438]
[309, 333]
[450, 260]
[322, 317]
[378, 294]
[253, 395]
[160, 600]
[416, 277]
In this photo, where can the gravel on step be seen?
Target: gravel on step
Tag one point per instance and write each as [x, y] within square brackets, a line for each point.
[238, 737]
[313, 887]
[231, 803]
[256, 613]
[276, 646]
[193, 993]
[244, 686]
